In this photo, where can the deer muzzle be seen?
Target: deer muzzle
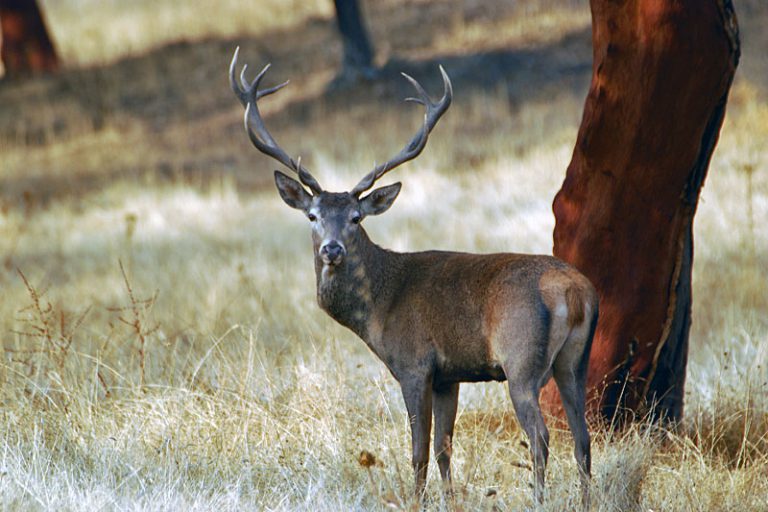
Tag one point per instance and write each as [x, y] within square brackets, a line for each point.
[332, 252]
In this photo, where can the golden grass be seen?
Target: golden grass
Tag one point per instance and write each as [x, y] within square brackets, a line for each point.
[205, 376]
[91, 32]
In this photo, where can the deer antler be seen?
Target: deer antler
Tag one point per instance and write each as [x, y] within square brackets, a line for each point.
[249, 94]
[433, 113]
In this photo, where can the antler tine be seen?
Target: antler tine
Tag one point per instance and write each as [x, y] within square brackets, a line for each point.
[416, 145]
[249, 94]
[243, 80]
[244, 89]
[423, 98]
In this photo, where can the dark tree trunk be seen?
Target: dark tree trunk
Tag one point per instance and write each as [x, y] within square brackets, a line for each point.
[358, 51]
[26, 46]
[624, 216]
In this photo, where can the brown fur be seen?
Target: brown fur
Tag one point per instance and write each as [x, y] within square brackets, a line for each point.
[575, 301]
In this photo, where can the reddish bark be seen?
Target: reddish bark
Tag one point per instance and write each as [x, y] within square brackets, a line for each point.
[26, 47]
[661, 74]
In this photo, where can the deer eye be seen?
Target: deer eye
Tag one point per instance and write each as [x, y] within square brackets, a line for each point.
[311, 217]
[356, 218]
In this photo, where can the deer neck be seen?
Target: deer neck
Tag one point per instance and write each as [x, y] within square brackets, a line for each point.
[352, 292]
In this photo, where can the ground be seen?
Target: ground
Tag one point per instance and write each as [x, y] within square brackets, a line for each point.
[162, 345]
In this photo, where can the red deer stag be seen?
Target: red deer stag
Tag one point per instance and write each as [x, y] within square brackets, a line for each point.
[439, 318]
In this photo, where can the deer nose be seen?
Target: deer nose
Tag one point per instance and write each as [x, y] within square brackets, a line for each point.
[332, 252]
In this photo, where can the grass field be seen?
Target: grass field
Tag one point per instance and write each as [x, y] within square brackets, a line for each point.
[162, 348]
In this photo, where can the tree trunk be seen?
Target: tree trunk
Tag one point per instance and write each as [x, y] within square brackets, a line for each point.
[26, 47]
[358, 51]
[661, 74]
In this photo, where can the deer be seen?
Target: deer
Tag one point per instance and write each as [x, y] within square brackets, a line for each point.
[438, 318]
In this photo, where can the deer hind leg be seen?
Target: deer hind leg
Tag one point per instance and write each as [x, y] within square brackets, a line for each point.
[526, 401]
[570, 374]
[444, 403]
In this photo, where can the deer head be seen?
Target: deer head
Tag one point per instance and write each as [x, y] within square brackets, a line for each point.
[335, 216]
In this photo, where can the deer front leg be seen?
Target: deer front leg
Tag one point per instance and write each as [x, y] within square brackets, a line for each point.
[444, 403]
[418, 402]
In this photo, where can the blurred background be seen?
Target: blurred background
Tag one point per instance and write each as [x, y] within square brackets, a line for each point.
[151, 77]
[158, 299]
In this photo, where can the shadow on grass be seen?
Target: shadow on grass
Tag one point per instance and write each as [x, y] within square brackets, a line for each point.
[173, 116]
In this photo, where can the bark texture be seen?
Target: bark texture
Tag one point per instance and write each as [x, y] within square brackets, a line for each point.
[661, 74]
[26, 47]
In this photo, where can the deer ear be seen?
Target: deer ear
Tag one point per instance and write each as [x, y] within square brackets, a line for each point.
[292, 192]
[380, 199]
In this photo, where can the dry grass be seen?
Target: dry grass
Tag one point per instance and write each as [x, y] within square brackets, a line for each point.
[92, 32]
[204, 376]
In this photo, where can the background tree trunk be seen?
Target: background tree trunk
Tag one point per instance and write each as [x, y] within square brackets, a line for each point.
[661, 74]
[358, 51]
[26, 47]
